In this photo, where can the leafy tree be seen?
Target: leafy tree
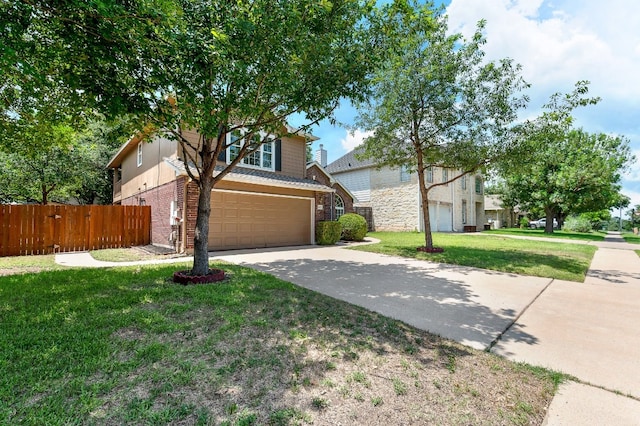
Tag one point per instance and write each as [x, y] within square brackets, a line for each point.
[566, 171]
[621, 202]
[36, 162]
[213, 66]
[436, 102]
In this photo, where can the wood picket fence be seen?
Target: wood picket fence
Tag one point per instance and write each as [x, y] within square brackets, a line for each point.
[36, 229]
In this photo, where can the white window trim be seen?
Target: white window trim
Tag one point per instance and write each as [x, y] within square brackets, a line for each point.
[464, 211]
[339, 208]
[463, 182]
[429, 175]
[139, 155]
[252, 166]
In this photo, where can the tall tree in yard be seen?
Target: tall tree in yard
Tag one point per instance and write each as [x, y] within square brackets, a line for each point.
[436, 101]
[232, 71]
[564, 170]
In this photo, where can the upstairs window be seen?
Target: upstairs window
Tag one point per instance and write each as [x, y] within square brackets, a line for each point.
[463, 182]
[430, 174]
[262, 158]
[404, 174]
[478, 185]
[445, 175]
[139, 155]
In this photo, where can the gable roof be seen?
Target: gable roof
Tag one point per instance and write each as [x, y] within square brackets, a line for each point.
[258, 177]
[332, 180]
[349, 162]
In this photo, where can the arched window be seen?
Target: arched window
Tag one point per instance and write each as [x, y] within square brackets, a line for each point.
[339, 207]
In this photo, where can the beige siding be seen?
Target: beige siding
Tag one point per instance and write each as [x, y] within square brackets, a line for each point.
[294, 151]
[153, 172]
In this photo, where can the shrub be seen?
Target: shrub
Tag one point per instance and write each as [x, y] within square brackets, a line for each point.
[577, 224]
[354, 227]
[524, 223]
[328, 232]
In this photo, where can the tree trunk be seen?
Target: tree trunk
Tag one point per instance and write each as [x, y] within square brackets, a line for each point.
[549, 214]
[424, 203]
[201, 238]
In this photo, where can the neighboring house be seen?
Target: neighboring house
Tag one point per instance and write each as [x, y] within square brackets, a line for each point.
[329, 206]
[393, 195]
[265, 201]
[498, 215]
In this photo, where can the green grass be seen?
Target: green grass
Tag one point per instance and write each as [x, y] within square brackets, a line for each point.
[126, 345]
[580, 236]
[538, 258]
[631, 238]
[22, 264]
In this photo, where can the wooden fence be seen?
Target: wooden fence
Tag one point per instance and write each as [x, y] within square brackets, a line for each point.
[36, 229]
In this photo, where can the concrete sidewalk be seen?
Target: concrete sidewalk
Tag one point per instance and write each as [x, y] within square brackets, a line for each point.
[588, 330]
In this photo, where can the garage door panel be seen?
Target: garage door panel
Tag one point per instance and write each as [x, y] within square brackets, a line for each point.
[252, 221]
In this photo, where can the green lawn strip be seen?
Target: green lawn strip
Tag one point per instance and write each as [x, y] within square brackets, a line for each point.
[21, 264]
[631, 238]
[538, 258]
[126, 345]
[123, 255]
[581, 236]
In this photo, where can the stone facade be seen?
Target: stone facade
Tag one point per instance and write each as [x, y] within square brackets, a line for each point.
[396, 203]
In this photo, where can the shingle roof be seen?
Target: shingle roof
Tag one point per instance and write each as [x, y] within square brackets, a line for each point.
[349, 162]
[259, 177]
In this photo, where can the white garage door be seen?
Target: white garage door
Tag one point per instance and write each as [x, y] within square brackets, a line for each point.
[440, 217]
[241, 220]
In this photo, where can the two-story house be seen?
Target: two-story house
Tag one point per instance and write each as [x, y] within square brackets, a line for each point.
[266, 201]
[393, 195]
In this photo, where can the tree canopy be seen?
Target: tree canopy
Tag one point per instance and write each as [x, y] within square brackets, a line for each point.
[436, 101]
[563, 170]
[212, 66]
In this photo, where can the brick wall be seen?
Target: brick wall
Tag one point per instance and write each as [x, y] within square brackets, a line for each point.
[326, 199]
[190, 214]
[159, 199]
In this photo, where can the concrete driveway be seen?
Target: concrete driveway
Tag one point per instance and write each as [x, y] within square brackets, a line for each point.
[469, 305]
[588, 330]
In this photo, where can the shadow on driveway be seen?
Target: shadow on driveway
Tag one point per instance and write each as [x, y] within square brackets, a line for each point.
[465, 304]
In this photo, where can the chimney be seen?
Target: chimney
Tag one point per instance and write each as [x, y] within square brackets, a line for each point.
[321, 156]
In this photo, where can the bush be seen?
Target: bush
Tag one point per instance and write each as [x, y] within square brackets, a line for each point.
[524, 223]
[577, 224]
[354, 227]
[328, 232]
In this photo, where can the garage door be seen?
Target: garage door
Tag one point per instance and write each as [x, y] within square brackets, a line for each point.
[440, 217]
[241, 220]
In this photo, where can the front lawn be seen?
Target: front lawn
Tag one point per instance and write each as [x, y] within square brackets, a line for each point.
[567, 235]
[127, 346]
[538, 258]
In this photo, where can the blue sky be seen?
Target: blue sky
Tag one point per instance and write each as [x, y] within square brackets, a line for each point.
[558, 42]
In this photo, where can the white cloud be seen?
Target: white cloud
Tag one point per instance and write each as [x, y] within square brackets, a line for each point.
[353, 139]
[633, 174]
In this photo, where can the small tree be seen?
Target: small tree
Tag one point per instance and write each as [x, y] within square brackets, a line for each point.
[436, 102]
